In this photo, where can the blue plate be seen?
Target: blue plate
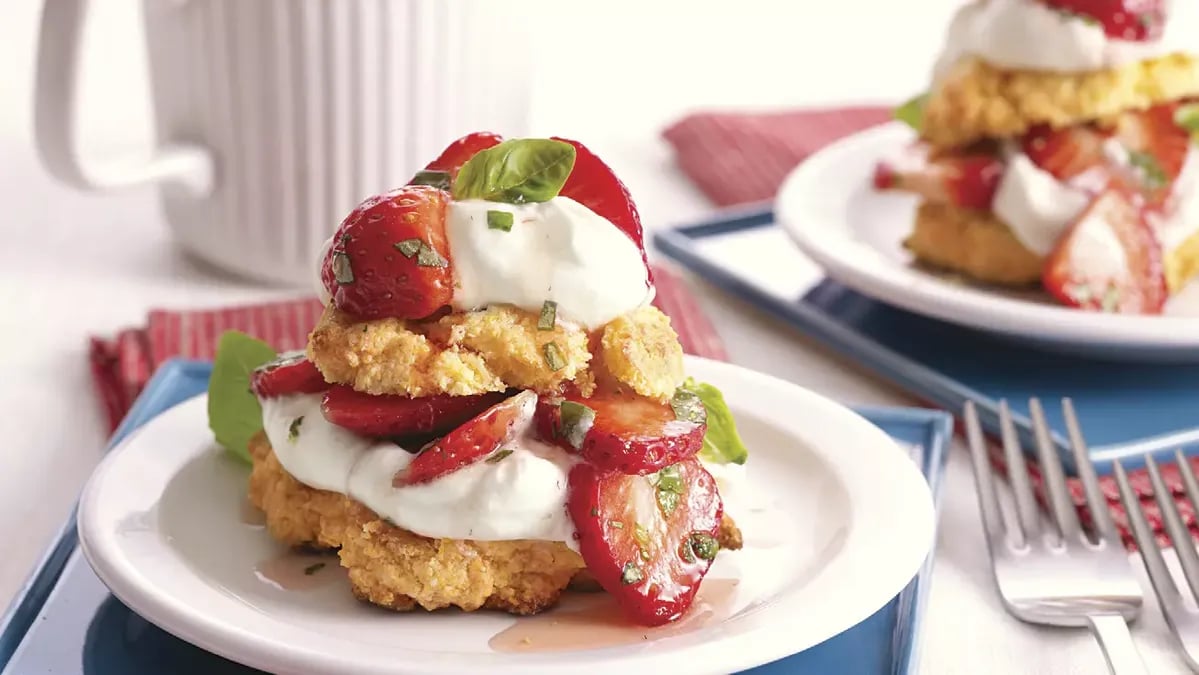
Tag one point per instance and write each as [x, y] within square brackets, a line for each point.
[1127, 409]
[65, 621]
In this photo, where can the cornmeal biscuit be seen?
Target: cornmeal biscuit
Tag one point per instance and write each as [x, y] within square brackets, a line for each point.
[975, 243]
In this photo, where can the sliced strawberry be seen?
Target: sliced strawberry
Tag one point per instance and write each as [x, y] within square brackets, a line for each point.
[1109, 260]
[1066, 153]
[460, 151]
[594, 185]
[291, 373]
[388, 416]
[969, 180]
[625, 433]
[1157, 148]
[390, 256]
[471, 442]
[1133, 20]
[647, 540]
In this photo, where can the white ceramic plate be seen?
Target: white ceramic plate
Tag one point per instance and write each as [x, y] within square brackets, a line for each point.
[837, 519]
[830, 209]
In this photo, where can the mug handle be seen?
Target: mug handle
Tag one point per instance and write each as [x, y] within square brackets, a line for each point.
[190, 166]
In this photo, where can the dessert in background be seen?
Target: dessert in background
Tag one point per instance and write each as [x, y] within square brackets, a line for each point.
[1057, 147]
[490, 409]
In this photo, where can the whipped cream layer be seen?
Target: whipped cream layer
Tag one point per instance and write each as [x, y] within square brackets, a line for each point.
[558, 250]
[1039, 208]
[521, 496]
[1028, 35]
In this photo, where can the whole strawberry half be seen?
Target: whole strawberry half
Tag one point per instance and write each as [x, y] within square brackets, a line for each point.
[647, 540]
[291, 373]
[624, 433]
[389, 416]
[390, 256]
[1133, 20]
[1109, 259]
[594, 185]
[471, 442]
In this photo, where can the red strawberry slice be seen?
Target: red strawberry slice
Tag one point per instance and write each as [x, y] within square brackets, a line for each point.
[389, 416]
[1109, 260]
[622, 432]
[1133, 20]
[1066, 153]
[460, 151]
[475, 439]
[969, 181]
[594, 185]
[1157, 148]
[291, 373]
[390, 256]
[647, 540]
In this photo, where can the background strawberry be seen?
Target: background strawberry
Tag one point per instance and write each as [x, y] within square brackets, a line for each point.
[1133, 20]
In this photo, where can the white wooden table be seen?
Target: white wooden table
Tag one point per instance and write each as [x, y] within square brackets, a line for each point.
[72, 264]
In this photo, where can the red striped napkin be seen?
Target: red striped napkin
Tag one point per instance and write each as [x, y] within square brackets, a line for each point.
[122, 365]
[738, 158]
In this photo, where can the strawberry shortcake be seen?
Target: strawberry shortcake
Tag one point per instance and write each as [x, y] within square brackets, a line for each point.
[1056, 148]
[490, 409]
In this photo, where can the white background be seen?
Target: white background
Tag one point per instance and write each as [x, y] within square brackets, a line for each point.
[75, 264]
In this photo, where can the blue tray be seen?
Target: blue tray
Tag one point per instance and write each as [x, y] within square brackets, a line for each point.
[65, 622]
[1126, 409]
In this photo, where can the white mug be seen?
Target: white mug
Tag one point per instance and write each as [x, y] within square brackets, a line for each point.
[276, 117]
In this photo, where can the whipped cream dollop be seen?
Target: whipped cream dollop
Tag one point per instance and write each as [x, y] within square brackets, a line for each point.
[1029, 35]
[558, 250]
[1039, 208]
[521, 496]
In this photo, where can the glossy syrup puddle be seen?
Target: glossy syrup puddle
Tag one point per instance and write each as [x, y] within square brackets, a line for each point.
[596, 622]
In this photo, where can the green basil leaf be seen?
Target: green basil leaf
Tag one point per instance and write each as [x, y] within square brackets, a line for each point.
[911, 112]
[517, 171]
[234, 414]
[722, 443]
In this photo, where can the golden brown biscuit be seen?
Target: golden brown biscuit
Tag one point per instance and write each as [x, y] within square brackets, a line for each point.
[974, 243]
[460, 354]
[1182, 263]
[641, 350]
[296, 515]
[975, 100]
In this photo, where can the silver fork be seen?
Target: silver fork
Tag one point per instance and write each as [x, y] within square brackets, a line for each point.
[1184, 623]
[1047, 570]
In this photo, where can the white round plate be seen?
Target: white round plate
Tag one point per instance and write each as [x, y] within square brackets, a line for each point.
[831, 210]
[836, 518]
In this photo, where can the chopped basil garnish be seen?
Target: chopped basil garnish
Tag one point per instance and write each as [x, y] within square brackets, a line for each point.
[427, 257]
[293, 429]
[642, 536]
[342, 272]
[1154, 175]
[594, 512]
[631, 574]
[437, 179]
[499, 456]
[553, 356]
[517, 171]
[500, 220]
[314, 568]
[705, 545]
[575, 420]
[409, 247]
[669, 489]
[549, 315]
[688, 407]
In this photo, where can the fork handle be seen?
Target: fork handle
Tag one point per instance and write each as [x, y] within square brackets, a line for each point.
[1122, 656]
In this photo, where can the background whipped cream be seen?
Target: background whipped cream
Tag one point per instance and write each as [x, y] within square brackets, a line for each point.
[558, 250]
[1028, 35]
[522, 496]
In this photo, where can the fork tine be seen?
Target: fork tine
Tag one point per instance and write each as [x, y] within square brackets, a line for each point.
[984, 479]
[1179, 534]
[1053, 477]
[1017, 469]
[1155, 565]
[1104, 526]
